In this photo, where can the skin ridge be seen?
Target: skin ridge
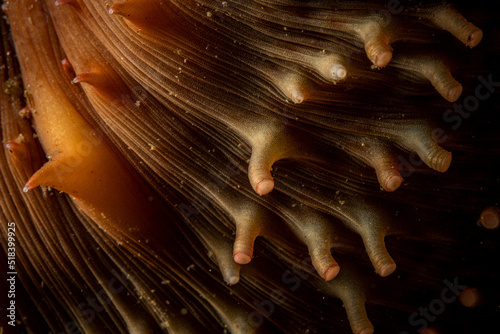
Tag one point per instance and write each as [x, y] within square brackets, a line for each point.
[253, 166]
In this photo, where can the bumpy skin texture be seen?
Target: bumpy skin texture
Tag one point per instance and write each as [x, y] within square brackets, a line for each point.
[251, 166]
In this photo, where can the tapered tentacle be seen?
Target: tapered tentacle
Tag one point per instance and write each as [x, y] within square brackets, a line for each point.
[330, 67]
[221, 249]
[351, 292]
[250, 219]
[376, 42]
[436, 72]
[448, 18]
[273, 141]
[318, 233]
[421, 140]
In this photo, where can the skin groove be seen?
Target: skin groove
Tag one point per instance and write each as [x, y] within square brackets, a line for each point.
[246, 166]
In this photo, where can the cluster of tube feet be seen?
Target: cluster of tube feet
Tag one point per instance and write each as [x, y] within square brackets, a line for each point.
[212, 123]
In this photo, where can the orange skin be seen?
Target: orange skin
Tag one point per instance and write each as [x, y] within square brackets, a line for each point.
[80, 164]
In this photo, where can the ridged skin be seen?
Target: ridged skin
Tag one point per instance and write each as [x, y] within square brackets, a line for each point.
[251, 166]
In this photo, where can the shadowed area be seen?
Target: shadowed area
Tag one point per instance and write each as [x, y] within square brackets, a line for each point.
[250, 166]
